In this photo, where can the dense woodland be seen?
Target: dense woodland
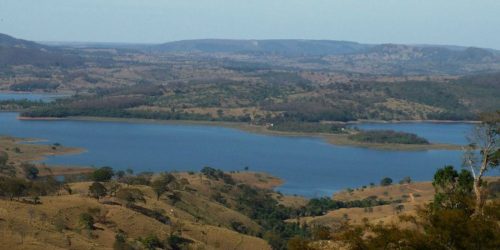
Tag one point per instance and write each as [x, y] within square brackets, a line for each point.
[388, 136]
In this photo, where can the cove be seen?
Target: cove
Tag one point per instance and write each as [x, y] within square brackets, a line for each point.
[309, 166]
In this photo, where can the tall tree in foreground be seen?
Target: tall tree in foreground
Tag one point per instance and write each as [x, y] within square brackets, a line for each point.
[483, 154]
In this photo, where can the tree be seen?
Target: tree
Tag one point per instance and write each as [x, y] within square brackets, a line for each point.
[483, 154]
[30, 171]
[386, 181]
[13, 187]
[453, 189]
[102, 174]
[130, 195]
[161, 184]
[97, 190]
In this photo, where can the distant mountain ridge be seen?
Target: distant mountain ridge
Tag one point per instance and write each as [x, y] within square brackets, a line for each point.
[393, 59]
[292, 46]
[286, 47]
[343, 56]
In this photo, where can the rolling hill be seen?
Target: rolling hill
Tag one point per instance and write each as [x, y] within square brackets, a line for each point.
[21, 52]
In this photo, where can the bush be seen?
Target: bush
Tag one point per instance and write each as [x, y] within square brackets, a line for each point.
[87, 221]
[386, 182]
[151, 242]
[239, 227]
[130, 195]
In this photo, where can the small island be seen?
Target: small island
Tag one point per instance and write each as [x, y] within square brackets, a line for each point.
[388, 136]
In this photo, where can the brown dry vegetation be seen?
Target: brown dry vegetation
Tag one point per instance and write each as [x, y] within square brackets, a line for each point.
[25, 150]
[26, 226]
[411, 196]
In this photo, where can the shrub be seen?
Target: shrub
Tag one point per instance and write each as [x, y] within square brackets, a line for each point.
[386, 181]
[239, 227]
[130, 195]
[87, 221]
[151, 242]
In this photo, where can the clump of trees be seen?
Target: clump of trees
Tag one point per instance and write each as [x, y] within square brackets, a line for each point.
[388, 136]
[217, 174]
[15, 187]
[308, 127]
[320, 206]
[102, 174]
[32, 86]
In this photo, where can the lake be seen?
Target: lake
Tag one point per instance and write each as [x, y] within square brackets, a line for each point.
[450, 133]
[309, 166]
[7, 96]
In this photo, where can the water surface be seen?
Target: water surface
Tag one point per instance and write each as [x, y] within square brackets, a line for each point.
[309, 166]
[435, 132]
[44, 97]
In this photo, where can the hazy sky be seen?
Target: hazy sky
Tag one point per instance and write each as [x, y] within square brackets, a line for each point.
[460, 22]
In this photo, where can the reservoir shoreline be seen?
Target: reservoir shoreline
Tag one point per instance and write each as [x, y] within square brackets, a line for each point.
[335, 139]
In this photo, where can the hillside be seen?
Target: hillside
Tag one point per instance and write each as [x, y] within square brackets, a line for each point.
[389, 59]
[21, 52]
[195, 211]
[289, 83]
[61, 207]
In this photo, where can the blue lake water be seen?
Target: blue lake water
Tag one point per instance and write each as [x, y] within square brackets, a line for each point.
[451, 133]
[309, 166]
[7, 96]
